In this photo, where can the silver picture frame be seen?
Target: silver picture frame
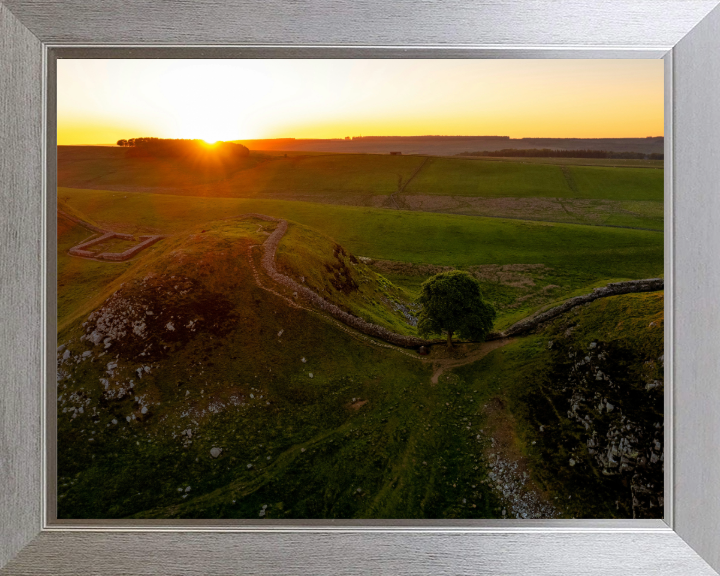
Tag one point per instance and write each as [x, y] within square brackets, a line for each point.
[686, 33]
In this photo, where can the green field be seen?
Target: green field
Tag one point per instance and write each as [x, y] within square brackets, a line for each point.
[598, 194]
[398, 235]
[575, 256]
[618, 162]
[284, 406]
[460, 177]
[313, 419]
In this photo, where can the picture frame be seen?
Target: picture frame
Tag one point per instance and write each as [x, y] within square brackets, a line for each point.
[686, 33]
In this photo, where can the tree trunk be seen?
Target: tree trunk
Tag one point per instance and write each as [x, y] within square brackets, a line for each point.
[449, 343]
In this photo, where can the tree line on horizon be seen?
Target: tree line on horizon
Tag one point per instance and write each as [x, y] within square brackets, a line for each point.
[181, 147]
[551, 153]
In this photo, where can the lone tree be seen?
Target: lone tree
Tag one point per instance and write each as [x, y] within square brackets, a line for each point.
[452, 303]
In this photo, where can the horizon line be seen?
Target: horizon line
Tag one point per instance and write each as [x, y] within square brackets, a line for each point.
[353, 138]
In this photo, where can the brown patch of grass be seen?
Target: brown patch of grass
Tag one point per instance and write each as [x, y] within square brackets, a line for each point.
[513, 275]
[408, 268]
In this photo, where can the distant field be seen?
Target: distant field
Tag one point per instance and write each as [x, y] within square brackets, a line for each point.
[364, 179]
[618, 183]
[93, 167]
[556, 260]
[621, 163]
[108, 168]
[461, 177]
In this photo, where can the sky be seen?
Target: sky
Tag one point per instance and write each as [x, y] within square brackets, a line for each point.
[102, 101]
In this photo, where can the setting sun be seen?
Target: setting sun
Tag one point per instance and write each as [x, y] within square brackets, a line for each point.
[100, 101]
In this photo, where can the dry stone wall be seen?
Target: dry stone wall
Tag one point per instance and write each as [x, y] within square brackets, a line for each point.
[268, 264]
[130, 252]
[614, 289]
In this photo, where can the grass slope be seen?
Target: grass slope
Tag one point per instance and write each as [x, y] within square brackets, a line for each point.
[518, 375]
[572, 258]
[311, 422]
[460, 177]
[338, 276]
[341, 175]
[103, 166]
[438, 239]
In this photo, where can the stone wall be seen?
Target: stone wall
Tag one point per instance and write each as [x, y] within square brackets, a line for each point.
[613, 289]
[268, 264]
[130, 252]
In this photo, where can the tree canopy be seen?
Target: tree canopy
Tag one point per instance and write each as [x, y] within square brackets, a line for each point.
[452, 302]
[169, 147]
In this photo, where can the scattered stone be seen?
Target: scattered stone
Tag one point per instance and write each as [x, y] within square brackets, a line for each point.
[215, 452]
[187, 489]
[144, 410]
[572, 462]
[66, 355]
[593, 344]
[280, 333]
[302, 449]
[114, 421]
[303, 360]
[249, 466]
[310, 374]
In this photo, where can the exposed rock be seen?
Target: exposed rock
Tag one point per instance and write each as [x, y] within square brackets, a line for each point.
[215, 452]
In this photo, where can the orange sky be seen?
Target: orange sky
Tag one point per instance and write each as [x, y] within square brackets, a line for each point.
[101, 101]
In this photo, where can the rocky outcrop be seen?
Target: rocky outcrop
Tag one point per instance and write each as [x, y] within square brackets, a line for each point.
[613, 289]
[607, 421]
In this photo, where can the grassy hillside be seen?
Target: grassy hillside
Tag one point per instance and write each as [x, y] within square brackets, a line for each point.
[531, 380]
[79, 280]
[104, 166]
[348, 174]
[463, 177]
[403, 236]
[592, 192]
[338, 276]
[311, 422]
[544, 262]
[109, 168]
[619, 162]
[627, 184]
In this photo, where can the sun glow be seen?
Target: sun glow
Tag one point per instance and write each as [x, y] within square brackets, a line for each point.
[101, 101]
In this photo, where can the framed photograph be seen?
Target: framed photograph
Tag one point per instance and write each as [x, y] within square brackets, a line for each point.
[288, 294]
